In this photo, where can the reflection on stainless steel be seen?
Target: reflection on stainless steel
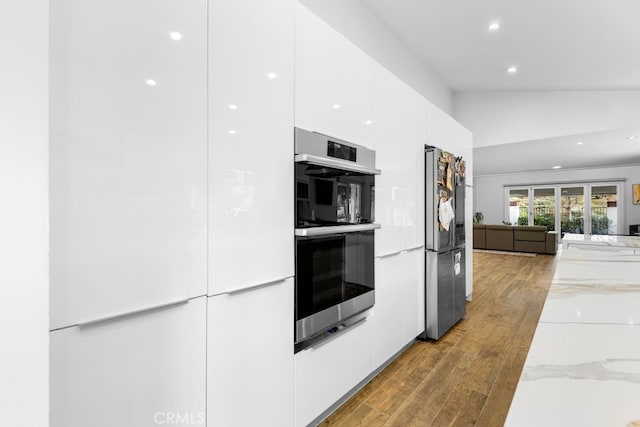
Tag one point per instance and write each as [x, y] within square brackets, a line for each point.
[335, 164]
[324, 231]
[325, 319]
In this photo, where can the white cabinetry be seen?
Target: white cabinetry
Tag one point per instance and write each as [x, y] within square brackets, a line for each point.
[251, 143]
[398, 316]
[413, 294]
[334, 82]
[128, 155]
[389, 310]
[133, 371]
[250, 357]
[325, 373]
[399, 138]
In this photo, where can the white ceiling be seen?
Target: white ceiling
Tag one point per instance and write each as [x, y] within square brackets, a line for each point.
[598, 149]
[556, 44]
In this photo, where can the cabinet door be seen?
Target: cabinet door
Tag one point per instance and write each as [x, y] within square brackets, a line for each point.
[399, 138]
[334, 82]
[250, 357]
[389, 311]
[413, 294]
[388, 141]
[135, 371]
[251, 142]
[128, 155]
[414, 139]
[325, 373]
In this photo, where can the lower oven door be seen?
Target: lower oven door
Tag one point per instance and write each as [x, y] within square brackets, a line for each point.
[334, 280]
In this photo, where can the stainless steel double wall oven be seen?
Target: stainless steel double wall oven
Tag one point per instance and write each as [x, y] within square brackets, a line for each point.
[334, 199]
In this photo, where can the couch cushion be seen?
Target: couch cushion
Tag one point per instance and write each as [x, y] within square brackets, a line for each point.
[499, 237]
[479, 237]
[530, 233]
[499, 227]
[526, 246]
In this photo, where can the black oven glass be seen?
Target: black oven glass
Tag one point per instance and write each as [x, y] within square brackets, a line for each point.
[327, 196]
[332, 269]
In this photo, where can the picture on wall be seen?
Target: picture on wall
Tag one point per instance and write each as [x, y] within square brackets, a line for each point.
[636, 194]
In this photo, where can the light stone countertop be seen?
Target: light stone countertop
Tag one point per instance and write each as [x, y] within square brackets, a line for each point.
[583, 367]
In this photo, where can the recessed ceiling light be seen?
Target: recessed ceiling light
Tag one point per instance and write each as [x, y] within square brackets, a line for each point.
[233, 107]
[272, 76]
[579, 143]
[494, 26]
[368, 122]
[151, 82]
[632, 137]
[337, 106]
[512, 70]
[231, 132]
[556, 167]
[175, 35]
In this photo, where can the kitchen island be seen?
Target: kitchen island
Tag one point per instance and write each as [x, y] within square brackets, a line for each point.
[583, 367]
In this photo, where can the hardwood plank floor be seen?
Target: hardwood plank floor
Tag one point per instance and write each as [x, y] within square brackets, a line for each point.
[469, 376]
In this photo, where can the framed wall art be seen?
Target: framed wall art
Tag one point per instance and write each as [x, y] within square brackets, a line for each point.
[636, 194]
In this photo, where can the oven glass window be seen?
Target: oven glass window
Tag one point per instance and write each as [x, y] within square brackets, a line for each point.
[326, 196]
[332, 269]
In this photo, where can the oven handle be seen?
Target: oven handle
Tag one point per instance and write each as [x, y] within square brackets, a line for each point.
[324, 231]
[335, 163]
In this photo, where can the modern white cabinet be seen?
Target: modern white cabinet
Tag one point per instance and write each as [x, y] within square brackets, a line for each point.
[413, 294]
[399, 138]
[250, 143]
[135, 371]
[398, 316]
[250, 357]
[390, 309]
[334, 82]
[391, 185]
[128, 170]
[325, 373]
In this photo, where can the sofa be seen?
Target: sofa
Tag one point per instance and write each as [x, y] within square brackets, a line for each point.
[515, 238]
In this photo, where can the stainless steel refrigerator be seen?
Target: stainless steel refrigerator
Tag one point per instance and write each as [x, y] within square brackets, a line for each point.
[444, 241]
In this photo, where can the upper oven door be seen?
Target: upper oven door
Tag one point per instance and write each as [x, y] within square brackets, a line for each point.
[326, 196]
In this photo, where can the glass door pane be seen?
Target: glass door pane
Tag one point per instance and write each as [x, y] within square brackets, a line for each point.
[572, 210]
[519, 206]
[604, 209]
[544, 207]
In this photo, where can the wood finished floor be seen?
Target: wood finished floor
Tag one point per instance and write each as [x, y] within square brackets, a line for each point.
[469, 376]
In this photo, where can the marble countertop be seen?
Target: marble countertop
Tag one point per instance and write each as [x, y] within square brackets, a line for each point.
[583, 367]
[601, 240]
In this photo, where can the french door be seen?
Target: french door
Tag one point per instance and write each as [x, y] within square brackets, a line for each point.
[570, 208]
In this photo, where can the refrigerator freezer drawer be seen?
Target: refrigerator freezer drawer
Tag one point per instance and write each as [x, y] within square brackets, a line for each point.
[445, 291]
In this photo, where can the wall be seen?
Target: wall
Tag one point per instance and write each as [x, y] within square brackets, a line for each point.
[24, 288]
[364, 28]
[489, 189]
[504, 117]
